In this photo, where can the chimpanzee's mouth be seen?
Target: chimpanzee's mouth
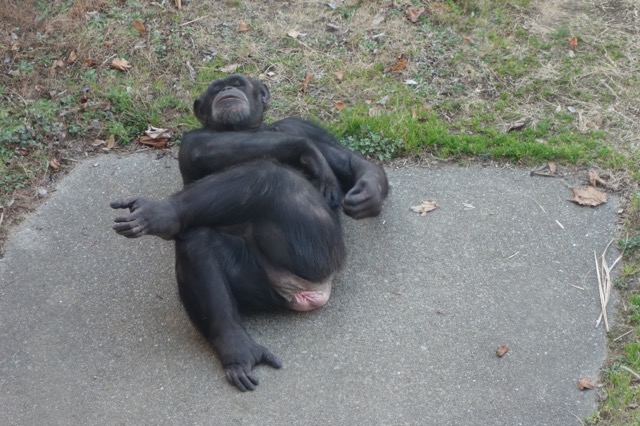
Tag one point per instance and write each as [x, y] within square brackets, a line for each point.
[227, 97]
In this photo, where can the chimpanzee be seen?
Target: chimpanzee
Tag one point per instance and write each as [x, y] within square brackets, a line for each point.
[256, 226]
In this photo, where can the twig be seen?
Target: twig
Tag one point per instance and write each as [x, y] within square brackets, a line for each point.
[539, 205]
[21, 98]
[192, 72]
[603, 303]
[536, 173]
[604, 283]
[579, 419]
[579, 288]
[194, 20]
[1, 217]
[107, 60]
[513, 255]
[622, 335]
[633, 373]
[305, 45]
[559, 224]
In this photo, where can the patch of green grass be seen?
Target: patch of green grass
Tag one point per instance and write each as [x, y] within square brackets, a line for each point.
[373, 145]
[634, 308]
[631, 244]
[532, 145]
[622, 404]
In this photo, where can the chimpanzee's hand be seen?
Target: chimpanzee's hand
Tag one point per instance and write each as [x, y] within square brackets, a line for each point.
[239, 355]
[146, 217]
[364, 199]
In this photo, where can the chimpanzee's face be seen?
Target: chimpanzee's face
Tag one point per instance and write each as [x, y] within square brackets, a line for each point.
[235, 102]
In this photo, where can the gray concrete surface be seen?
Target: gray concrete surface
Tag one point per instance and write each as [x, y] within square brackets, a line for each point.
[92, 331]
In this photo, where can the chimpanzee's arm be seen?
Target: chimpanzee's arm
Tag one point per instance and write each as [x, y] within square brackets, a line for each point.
[364, 183]
[203, 152]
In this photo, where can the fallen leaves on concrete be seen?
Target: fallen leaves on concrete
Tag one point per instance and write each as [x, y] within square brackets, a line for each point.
[502, 350]
[155, 137]
[425, 207]
[585, 384]
[588, 196]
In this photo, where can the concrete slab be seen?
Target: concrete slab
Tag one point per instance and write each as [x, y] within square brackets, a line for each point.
[92, 331]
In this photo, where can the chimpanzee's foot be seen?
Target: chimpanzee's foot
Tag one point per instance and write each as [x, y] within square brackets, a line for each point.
[239, 354]
[146, 217]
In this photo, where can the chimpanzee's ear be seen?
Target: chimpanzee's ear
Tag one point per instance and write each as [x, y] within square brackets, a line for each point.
[198, 105]
[265, 96]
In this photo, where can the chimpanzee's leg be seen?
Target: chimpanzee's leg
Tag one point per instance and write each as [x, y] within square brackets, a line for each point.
[292, 225]
[208, 263]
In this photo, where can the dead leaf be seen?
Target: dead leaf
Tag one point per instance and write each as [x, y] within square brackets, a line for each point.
[54, 164]
[413, 13]
[230, 68]
[374, 111]
[339, 75]
[425, 207]
[467, 39]
[573, 42]
[594, 179]
[154, 143]
[308, 77]
[179, 4]
[90, 62]
[553, 168]
[120, 64]
[138, 25]
[399, 65]
[109, 43]
[72, 57]
[502, 350]
[111, 142]
[585, 384]
[242, 27]
[339, 105]
[58, 63]
[293, 34]
[157, 133]
[588, 196]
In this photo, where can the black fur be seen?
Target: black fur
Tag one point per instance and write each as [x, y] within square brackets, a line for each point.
[256, 199]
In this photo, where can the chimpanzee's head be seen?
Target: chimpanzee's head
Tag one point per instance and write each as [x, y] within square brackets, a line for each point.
[235, 102]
